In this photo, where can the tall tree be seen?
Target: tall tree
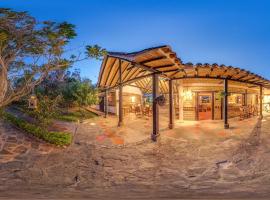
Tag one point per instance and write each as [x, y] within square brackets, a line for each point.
[30, 50]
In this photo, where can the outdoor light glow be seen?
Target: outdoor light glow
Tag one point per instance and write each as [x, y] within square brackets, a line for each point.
[133, 98]
[92, 124]
[266, 99]
[187, 94]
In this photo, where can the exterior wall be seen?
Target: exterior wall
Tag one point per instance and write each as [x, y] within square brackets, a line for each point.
[113, 99]
[217, 106]
[188, 106]
[128, 92]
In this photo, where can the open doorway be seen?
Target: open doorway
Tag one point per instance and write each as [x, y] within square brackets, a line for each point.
[205, 106]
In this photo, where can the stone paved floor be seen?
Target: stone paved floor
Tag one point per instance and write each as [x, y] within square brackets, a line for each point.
[138, 129]
[206, 164]
[15, 144]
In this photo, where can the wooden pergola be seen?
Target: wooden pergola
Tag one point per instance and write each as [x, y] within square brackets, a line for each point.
[156, 68]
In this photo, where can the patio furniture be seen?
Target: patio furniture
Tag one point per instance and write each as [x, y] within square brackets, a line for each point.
[243, 112]
[176, 111]
[132, 108]
[250, 110]
[255, 111]
[267, 107]
[138, 111]
[147, 111]
[125, 110]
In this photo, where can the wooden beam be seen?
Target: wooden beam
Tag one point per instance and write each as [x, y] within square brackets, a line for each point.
[164, 66]
[102, 71]
[136, 64]
[130, 81]
[109, 74]
[217, 78]
[153, 59]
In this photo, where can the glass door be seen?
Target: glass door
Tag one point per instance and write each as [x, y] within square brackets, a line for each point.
[204, 105]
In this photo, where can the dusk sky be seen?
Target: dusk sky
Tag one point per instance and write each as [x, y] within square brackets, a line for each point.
[230, 32]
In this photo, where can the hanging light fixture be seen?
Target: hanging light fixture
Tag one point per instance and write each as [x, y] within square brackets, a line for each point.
[187, 94]
[32, 101]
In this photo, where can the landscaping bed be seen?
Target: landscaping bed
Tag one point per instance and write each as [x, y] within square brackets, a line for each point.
[53, 137]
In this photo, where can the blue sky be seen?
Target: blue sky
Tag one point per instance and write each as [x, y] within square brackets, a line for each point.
[230, 32]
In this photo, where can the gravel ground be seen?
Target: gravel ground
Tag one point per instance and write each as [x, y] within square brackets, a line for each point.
[232, 168]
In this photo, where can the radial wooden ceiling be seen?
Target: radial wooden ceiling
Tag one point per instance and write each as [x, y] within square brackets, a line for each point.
[162, 60]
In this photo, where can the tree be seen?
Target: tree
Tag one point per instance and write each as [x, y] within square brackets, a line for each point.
[30, 51]
[85, 93]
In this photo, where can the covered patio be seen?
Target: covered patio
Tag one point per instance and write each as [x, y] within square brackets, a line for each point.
[136, 130]
[173, 93]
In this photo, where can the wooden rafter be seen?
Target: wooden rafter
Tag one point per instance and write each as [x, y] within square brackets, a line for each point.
[163, 60]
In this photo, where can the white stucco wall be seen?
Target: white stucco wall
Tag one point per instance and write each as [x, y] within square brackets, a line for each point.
[126, 89]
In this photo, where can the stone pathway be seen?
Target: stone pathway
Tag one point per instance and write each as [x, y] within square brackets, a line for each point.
[177, 166]
[15, 143]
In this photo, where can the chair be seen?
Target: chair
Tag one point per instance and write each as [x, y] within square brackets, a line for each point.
[255, 110]
[176, 111]
[147, 111]
[132, 108]
[242, 113]
[138, 111]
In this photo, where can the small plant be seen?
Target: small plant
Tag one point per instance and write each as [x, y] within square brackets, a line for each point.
[46, 110]
[221, 94]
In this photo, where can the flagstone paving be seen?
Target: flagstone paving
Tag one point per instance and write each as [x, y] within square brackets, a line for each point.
[15, 143]
[193, 160]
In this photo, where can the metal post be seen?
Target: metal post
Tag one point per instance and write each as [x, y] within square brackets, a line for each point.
[155, 92]
[106, 103]
[261, 102]
[226, 124]
[120, 119]
[171, 114]
[213, 105]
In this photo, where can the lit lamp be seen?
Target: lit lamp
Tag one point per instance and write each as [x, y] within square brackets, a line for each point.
[133, 99]
[32, 102]
[187, 95]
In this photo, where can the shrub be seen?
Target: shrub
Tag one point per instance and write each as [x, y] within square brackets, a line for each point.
[57, 138]
[47, 109]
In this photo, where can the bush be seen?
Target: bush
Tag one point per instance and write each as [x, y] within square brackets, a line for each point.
[57, 138]
[47, 109]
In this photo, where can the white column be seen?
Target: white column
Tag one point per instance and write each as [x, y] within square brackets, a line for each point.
[181, 102]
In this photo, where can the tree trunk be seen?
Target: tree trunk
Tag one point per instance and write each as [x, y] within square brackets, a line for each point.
[3, 86]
